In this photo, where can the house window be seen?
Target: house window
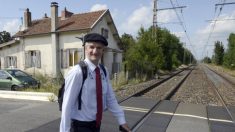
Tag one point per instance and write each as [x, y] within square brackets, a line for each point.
[33, 59]
[70, 57]
[105, 32]
[116, 65]
[10, 62]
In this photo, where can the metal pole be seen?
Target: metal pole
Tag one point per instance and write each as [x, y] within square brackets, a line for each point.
[184, 54]
[154, 19]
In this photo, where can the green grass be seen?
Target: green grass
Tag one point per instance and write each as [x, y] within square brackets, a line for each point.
[120, 81]
[53, 85]
[223, 69]
[47, 84]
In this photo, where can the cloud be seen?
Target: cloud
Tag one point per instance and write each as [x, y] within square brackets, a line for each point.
[166, 16]
[11, 26]
[179, 34]
[98, 7]
[143, 17]
[140, 17]
[221, 31]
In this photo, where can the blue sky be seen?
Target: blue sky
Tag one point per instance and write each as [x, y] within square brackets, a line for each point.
[129, 15]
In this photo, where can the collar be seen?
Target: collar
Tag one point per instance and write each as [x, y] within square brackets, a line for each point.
[91, 65]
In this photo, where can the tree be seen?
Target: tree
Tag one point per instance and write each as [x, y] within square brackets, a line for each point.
[145, 57]
[218, 53]
[5, 37]
[229, 57]
[151, 53]
[127, 42]
[207, 60]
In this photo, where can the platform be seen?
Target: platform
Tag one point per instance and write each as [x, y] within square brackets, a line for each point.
[171, 116]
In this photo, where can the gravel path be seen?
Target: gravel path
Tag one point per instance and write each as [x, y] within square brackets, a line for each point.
[198, 88]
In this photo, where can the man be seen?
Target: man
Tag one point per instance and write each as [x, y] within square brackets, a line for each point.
[97, 93]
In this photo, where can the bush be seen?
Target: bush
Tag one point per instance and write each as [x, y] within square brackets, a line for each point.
[48, 84]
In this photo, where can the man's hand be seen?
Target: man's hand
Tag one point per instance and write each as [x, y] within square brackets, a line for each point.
[124, 128]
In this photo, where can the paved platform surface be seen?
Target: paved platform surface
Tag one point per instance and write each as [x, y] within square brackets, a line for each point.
[168, 116]
[38, 96]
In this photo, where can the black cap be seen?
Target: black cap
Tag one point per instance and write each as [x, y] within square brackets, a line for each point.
[95, 37]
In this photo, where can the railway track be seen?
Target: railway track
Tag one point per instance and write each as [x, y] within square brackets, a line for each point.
[220, 96]
[170, 93]
[149, 88]
[166, 96]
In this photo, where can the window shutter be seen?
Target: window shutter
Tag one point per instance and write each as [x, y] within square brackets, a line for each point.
[105, 32]
[27, 60]
[63, 59]
[80, 54]
[76, 57]
[8, 61]
[5, 62]
[14, 61]
[67, 58]
[38, 59]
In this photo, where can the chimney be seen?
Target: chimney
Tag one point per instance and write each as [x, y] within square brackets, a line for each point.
[65, 14]
[54, 16]
[45, 16]
[27, 19]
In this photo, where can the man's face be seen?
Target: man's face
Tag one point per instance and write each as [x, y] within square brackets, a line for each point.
[94, 51]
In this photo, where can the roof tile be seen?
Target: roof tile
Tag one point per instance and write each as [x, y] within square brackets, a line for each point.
[75, 22]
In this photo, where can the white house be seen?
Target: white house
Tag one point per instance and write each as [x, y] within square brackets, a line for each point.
[50, 45]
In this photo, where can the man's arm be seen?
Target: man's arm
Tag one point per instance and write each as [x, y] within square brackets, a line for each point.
[72, 87]
[114, 107]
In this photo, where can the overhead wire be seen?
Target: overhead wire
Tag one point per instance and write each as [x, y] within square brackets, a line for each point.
[184, 28]
[213, 26]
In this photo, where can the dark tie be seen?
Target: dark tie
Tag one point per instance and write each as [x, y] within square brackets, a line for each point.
[98, 97]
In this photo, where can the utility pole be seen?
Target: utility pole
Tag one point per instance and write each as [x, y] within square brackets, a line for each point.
[154, 31]
[155, 10]
[184, 53]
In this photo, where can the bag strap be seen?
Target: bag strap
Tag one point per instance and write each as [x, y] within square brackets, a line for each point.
[103, 68]
[83, 66]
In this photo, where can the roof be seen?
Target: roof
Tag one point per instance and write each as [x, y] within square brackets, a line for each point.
[81, 21]
[9, 43]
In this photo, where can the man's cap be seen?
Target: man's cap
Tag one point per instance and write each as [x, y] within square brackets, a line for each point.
[95, 37]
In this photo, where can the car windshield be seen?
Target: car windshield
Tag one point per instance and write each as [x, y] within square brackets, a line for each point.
[17, 73]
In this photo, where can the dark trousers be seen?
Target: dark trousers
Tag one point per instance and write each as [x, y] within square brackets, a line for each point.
[84, 126]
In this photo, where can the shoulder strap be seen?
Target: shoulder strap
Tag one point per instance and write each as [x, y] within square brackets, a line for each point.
[83, 66]
[103, 68]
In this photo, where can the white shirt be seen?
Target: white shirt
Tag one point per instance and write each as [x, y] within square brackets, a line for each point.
[88, 111]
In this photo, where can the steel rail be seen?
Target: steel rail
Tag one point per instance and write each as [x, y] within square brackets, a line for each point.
[168, 96]
[221, 98]
[149, 88]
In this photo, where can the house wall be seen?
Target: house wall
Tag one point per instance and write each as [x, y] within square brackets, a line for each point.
[66, 40]
[108, 56]
[43, 44]
[12, 50]
[69, 41]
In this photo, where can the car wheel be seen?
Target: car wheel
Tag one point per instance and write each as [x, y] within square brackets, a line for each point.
[14, 88]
